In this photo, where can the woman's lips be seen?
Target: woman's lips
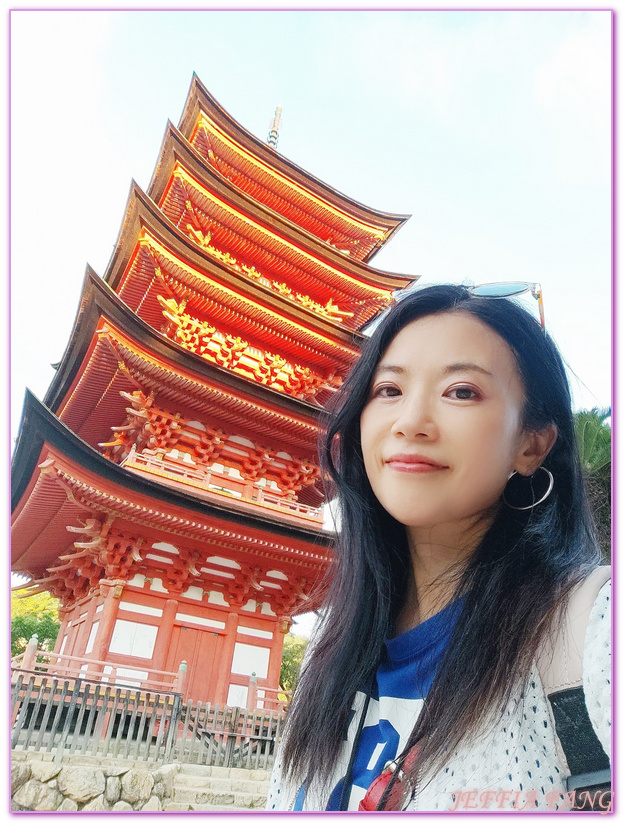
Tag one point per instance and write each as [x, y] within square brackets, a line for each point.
[414, 464]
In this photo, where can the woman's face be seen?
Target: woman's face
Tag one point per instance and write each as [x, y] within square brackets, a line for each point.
[441, 431]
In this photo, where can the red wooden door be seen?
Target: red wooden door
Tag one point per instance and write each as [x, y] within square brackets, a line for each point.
[198, 647]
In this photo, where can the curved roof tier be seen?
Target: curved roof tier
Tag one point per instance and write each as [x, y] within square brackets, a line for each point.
[279, 183]
[58, 482]
[112, 350]
[266, 247]
[153, 255]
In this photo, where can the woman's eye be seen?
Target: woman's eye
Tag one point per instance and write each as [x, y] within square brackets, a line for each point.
[386, 391]
[462, 393]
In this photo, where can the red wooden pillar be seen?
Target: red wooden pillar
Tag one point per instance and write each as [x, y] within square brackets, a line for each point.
[226, 659]
[111, 591]
[61, 633]
[252, 693]
[276, 652]
[84, 629]
[165, 634]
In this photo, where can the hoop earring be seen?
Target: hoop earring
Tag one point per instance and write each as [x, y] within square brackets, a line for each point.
[537, 502]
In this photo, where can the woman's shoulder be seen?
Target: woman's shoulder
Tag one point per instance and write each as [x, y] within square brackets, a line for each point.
[597, 665]
[600, 623]
[560, 659]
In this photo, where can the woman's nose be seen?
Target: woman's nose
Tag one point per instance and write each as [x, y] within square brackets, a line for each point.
[415, 419]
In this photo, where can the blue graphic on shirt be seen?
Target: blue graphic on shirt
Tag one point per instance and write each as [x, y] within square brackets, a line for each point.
[300, 799]
[405, 675]
[369, 757]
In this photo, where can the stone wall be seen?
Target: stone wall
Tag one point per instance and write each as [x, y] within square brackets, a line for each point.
[88, 784]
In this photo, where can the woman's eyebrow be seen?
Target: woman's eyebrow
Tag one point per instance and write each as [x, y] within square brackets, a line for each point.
[454, 367]
[389, 367]
[450, 369]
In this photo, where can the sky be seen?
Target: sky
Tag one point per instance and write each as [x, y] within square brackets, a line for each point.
[491, 128]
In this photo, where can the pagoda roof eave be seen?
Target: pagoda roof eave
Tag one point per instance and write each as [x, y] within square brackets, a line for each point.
[199, 98]
[98, 300]
[142, 212]
[175, 146]
[39, 426]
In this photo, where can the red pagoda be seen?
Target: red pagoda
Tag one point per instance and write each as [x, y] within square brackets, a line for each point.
[167, 489]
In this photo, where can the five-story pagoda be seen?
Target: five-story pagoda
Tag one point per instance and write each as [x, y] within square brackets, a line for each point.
[167, 489]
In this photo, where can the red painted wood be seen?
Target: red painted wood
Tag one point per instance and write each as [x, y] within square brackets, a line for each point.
[221, 404]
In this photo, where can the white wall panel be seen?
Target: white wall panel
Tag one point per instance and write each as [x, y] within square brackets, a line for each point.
[249, 659]
[134, 639]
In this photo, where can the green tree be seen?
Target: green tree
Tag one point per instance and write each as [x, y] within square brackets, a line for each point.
[293, 651]
[38, 615]
[594, 436]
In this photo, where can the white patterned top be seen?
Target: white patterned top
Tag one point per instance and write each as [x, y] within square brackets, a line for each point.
[514, 764]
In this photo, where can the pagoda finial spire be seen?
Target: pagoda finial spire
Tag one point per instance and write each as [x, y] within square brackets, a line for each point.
[273, 132]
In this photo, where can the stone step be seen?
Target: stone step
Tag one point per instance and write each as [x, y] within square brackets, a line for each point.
[199, 807]
[246, 800]
[198, 781]
[223, 772]
[198, 770]
[232, 784]
[210, 807]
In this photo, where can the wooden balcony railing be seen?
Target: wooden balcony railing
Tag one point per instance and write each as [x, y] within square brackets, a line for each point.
[267, 698]
[38, 662]
[214, 482]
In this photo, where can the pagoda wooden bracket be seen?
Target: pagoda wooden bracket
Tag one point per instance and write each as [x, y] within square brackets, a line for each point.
[239, 591]
[291, 597]
[111, 587]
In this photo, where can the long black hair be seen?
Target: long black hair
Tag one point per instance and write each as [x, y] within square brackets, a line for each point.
[512, 584]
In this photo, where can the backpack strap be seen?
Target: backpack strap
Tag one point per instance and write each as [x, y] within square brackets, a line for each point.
[560, 667]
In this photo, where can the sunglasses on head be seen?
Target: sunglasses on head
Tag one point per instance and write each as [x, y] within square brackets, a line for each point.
[493, 290]
[511, 290]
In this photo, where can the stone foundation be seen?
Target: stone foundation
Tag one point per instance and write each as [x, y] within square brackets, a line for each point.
[88, 784]
[97, 784]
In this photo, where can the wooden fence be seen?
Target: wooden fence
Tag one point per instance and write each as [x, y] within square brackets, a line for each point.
[69, 715]
[227, 736]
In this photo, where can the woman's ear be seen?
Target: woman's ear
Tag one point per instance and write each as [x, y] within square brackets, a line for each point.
[535, 447]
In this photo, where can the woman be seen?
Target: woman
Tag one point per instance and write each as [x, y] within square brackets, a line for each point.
[448, 577]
